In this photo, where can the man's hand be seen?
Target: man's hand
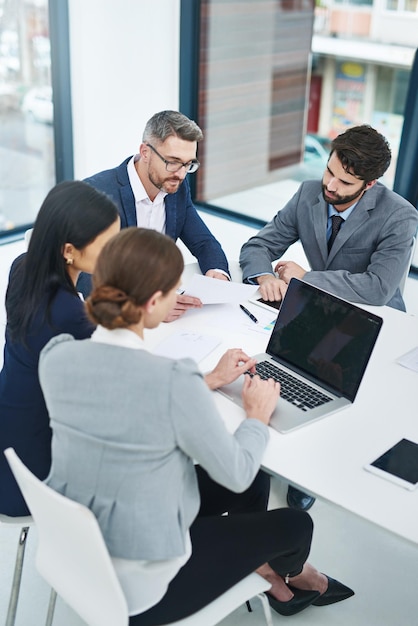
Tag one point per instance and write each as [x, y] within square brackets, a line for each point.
[260, 397]
[231, 365]
[215, 274]
[271, 288]
[182, 305]
[288, 270]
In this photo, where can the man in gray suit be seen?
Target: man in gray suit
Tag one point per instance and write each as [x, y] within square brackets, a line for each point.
[366, 257]
[357, 235]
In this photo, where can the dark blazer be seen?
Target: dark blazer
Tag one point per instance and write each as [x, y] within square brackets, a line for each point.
[182, 220]
[368, 258]
[24, 420]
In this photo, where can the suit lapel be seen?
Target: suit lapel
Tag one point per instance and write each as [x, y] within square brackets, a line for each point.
[128, 218]
[356, 220]
[319, 220]
[170, 202]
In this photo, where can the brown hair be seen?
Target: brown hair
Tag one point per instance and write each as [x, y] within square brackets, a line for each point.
[363, 152]
[131, 267]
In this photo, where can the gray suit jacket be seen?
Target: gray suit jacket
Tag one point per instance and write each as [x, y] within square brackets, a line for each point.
[126, 427]
[369, 255]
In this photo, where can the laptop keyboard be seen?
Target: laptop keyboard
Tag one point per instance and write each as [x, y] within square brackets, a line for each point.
[293, 390]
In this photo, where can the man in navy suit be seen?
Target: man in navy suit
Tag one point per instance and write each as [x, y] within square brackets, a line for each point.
[151, 190]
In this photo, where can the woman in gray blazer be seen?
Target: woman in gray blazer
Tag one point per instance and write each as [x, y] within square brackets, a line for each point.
[127, 428]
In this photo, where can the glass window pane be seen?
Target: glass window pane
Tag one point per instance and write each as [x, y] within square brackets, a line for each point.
[27, 162]
[253, 73]
[411, 5]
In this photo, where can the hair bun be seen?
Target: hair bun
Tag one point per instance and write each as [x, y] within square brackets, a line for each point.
[107, 293]
[112, 307]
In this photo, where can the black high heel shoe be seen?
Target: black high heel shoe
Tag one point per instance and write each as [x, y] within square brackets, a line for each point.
[336, 592]
[301, 600]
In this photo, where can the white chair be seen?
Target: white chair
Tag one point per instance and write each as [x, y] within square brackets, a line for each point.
[27, 236]
[23, 523]
[73, 558]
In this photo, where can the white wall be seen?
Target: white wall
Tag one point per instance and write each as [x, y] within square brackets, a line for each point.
[124, 59]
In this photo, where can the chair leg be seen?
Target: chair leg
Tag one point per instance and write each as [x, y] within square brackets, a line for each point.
[17, 576]
[51, 607]
[266, 608]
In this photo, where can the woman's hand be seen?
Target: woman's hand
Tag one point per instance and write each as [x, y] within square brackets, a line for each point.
[260, 397]
[231, 365]
[183, 304]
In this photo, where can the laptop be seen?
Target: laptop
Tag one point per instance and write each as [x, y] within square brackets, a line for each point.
[319, 349]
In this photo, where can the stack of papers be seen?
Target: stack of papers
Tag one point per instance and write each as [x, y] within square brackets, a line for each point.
[214, 291]
[410, 360]
[185, 344]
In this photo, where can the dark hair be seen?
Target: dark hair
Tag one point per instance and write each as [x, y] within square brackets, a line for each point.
[171, 123]
[363, 152]
[72, 212]
[131, 267]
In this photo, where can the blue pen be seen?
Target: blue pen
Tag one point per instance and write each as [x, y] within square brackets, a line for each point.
[247, 312]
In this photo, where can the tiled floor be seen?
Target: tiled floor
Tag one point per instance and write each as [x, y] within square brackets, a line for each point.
[380, 567]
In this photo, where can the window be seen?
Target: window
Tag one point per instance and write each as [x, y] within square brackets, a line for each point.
[252, 72]
[403, 5]
[272, 82]
[28, 130]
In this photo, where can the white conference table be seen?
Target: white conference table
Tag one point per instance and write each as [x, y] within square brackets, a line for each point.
[326, 458]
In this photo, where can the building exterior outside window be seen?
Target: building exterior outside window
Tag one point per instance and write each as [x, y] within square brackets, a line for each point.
[363, 52]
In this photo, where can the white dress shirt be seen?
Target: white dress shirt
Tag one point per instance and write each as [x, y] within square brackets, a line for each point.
[148, 214]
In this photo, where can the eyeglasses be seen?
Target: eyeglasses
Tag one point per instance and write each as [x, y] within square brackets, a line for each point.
[175, 166]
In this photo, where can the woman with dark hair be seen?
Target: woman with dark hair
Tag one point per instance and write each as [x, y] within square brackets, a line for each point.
[127, 428]
[73, 224]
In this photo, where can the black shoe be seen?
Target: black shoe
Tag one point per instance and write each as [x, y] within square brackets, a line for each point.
[298, 500]
[301, 600]
[335, 593]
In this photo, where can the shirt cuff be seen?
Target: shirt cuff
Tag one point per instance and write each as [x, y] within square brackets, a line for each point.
[251, 279]
[221, 272]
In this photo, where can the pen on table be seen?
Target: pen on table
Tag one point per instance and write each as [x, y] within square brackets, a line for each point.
[247, 312]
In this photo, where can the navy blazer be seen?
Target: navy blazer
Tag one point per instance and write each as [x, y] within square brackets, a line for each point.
[24, 420]
[182, 220]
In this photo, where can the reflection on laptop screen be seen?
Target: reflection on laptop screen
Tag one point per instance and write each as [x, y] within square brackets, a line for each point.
[324, 337]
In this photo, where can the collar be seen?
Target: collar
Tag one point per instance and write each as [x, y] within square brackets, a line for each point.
[138, 188]
[121, 337]
[344, 214]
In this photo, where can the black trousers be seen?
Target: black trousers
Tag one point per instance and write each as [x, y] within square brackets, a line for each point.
[225, 549]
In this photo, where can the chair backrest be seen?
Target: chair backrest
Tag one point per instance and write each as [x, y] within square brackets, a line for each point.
[71, 553]
[405, 276]
[27, 236]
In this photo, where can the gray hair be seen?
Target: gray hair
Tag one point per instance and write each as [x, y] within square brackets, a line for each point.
[171, 123]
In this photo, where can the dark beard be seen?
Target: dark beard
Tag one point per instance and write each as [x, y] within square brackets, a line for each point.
[343, 199]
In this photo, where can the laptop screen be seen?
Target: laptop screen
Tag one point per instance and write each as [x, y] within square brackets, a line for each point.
[327, 339]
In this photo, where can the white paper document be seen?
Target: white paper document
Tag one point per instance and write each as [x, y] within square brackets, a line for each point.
[230, 318]
[410, 360]
[187, 344]
[214, 291]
